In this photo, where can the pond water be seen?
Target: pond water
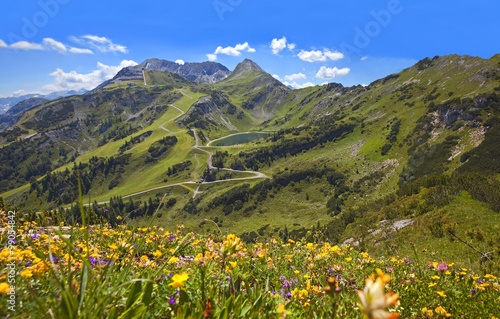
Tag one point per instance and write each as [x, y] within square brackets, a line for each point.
[239, 139]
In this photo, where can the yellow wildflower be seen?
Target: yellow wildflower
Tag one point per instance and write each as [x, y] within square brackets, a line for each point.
[27, 273]
[281, 310]
[440, 310]
[441, 293]
[233, 264]
[173, 259]
[4, 253]
[179, 280]
[157, 253]
[4, 288]
[427, 312]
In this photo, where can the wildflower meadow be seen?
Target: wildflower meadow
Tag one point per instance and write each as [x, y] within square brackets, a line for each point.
[124, 272]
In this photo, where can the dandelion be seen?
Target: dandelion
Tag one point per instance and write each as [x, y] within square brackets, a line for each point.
[372, 299]
[179, 280]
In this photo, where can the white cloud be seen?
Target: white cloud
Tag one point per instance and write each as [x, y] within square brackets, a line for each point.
[80, 51]
[277, 45]
[23, 92]
[364, 58]
[236, 51]
[320, 56]
[54, 45]
[212, 57]
[334, 56]
[26, 46]
[48, 44]
[232, 51]
[76, 81]
[330, 73]
[181, 62]
[277, 77]
[95, 38]
[102, 44]
[295, 85]
[294, 77]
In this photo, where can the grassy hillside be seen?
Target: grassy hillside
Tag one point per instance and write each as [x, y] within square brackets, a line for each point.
[338, 157]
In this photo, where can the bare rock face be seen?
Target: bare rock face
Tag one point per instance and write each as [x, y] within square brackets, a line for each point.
[206, 72]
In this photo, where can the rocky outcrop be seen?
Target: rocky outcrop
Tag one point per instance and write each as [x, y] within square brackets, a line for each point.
[208, 110]
[205, 72]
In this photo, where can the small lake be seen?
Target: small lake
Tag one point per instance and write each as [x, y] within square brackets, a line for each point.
[242, 138]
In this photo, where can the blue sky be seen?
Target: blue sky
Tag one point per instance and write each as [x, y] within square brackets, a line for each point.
[52, 45]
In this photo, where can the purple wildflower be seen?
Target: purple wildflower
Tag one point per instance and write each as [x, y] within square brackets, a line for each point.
[442, 267]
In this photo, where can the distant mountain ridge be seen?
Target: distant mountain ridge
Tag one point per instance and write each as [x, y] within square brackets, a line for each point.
[204, 72]
[8, 102]
[14, 113]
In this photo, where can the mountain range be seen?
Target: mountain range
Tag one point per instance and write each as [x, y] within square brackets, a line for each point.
[8, 102]
[354, 163]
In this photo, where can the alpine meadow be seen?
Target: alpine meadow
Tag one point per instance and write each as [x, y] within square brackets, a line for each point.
[172, 189]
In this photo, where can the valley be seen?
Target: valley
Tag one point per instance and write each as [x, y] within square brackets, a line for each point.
[328, 161]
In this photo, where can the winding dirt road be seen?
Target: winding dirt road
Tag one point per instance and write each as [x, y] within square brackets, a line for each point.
[210, 165]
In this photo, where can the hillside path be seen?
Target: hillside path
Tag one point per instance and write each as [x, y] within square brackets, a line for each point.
[210, 165]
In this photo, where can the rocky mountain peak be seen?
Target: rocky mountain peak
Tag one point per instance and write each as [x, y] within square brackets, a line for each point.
[247, 66]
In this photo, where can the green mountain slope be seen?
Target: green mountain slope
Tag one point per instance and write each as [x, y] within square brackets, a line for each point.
[337, 155]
